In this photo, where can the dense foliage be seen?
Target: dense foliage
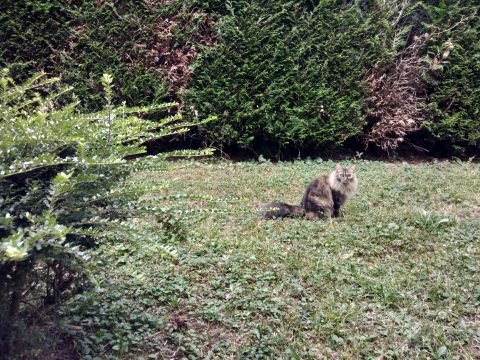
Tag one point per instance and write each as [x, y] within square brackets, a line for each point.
[64, 183]
[288, 73]
[145, 45]
[299, 75]
[308, 73]
[454, 102]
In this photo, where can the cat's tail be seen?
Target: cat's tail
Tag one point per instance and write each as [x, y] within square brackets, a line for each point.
[276, 209]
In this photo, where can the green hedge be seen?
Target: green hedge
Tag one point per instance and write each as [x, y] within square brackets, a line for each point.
[285, 74]
[80, 40]
[288, 73]
[454, 101]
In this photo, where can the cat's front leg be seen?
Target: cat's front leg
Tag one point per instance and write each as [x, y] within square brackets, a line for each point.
[338, 213]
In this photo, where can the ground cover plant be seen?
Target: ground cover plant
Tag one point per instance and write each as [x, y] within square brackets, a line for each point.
[396, 278]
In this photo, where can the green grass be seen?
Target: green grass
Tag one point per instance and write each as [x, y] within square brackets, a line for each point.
[396, 278]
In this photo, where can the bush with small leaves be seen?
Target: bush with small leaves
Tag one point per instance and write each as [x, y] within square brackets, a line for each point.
[63, 184]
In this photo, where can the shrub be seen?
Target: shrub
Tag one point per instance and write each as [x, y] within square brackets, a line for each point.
[146, 45]
[287, 74]
[454, 100]
[62, 184]
[431, 78]
[304, 74]
[295, 75]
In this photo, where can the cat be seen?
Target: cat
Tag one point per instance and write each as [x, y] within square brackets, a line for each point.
[275, 209]
[325, 196]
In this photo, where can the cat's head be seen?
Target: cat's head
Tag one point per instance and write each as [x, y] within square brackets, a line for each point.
[345, 175]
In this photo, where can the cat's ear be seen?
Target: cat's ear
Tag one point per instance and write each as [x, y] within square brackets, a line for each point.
[352, 167]
[338, 167]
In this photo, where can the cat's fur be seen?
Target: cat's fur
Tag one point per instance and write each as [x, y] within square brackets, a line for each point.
[275, 209]
[324, 197]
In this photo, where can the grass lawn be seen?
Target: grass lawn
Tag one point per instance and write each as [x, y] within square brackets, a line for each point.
[398, 277]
